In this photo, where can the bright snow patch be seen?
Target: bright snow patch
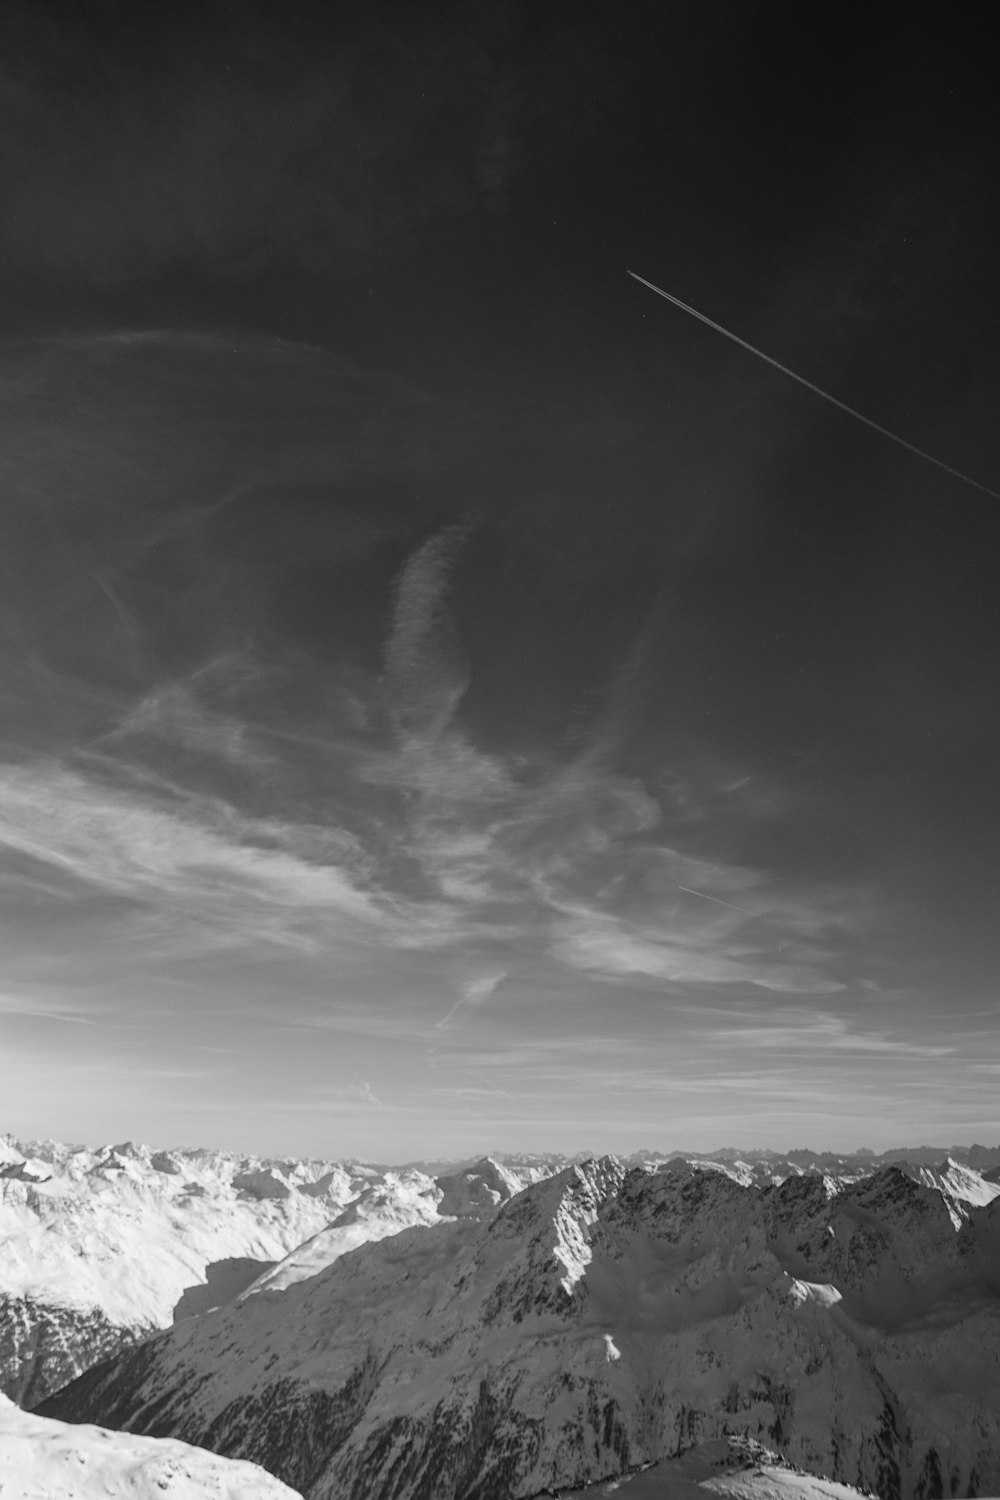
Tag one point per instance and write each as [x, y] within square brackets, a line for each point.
[45, 1460]
[717, 1468]
[777, 1484]
[825, 1294]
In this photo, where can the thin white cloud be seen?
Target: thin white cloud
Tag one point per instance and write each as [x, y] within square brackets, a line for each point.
[330, 1096]
[565, 855]
[174, 713]
[474, 993]
[47, 1006]
[821, 1033]
[608, 948]
[425, 673]
[336, 1099]
[470, 1091]
[448, 772]
[569, 855]
[201, 854]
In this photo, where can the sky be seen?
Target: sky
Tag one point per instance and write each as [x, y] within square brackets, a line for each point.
[453, 700]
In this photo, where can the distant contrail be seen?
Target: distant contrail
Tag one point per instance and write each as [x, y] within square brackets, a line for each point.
[706, 897]
[816, 389]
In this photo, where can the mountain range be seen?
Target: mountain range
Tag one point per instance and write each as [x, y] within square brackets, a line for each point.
[520, 1326]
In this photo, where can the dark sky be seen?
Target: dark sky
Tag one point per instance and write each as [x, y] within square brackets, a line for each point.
[452, 699]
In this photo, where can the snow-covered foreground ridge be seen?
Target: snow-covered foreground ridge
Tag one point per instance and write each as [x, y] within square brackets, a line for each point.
[602, 1319]
[45, 1460]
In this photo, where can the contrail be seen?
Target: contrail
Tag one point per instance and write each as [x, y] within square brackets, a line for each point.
[955, 473]
[705, 897]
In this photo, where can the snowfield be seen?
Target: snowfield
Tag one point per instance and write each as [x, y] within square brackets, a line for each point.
[46, 1460]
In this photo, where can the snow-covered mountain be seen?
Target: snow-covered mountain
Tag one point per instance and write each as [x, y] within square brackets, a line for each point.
[523, 1166]
[964, 1172]
[45, 1460]
[101, 1247]
[598, 1320]
[961, 1185]
[951, 1171]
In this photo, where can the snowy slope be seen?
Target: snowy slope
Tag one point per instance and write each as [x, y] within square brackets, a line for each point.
[962, 1185]
[46, 1460]
[400, 1201]
[599, 1320]
[119, 1241]
[743, 1471]
[127, 1230]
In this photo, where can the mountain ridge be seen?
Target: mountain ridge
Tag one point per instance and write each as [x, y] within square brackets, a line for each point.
[104, 1245]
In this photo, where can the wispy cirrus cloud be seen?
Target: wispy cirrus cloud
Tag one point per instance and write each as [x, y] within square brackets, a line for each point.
[474, 993]
[818, 1032]
[568, 855]
[176, 715]
[299, 806]
[455, 845]
[347, 1096]
[426, 672]
[575, 861]
[48, 1005]
[612, 950]
[199, 854]
[347, 1100]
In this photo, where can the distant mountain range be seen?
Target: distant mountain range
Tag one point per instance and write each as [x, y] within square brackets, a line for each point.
[531, 1165]
[516, 1324]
